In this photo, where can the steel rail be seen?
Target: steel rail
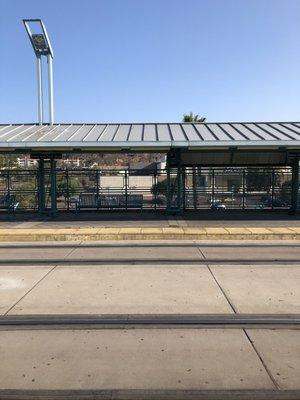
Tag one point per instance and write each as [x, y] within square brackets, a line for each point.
[150, 394]
[150, 243]
[149, 320]
[148, 261]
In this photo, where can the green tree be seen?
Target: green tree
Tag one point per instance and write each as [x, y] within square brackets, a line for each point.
[65, 188]
[262, 179]
[25, 193]
[8, 161]
[161, 188]
[285, 191]
[192, 118]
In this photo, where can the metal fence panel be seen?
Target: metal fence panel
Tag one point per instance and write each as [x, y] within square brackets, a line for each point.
[193, 188]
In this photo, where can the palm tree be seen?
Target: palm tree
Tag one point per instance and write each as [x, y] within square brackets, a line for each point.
[192, 118]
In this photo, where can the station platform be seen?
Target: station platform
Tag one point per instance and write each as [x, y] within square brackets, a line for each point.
[204, 225]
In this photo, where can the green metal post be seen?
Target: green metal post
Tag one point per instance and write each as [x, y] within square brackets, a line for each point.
[155, 180]
[53, 186]
[8, 183]
[178, 199]
[68, 189]
[182, 178]
[126, 190]
[295, 186]
[180, 183]
[97, 188]
[213, 185]
[41, 185]
[273, 188]
[168, 188]
[194, 188]
[244, 188]
[176, 163]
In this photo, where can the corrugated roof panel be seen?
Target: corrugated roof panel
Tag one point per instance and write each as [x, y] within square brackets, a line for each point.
[66, 134]
[94, 133]
[285, 130]
[232, 132]
[11, 130]
[293, 126]
[204, 132]
[5, 128]
[19, 136]
[122, 133]
[136, 133]
[163, 132]
[81, 133]
[191, 132]
[156, 135]
[64, 130]
[248, 133]
[108, 133]
[40, 132]
[261, 132]
[177, 132]
[273, 131]
[218, 132]
[150, 133]
[90, 130]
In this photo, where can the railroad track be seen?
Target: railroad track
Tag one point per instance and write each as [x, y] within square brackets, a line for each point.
[239, 321]
[150, 243]
[136, 394]
[148, 261]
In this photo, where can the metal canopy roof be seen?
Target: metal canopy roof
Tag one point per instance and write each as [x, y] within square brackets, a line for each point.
[149, 136]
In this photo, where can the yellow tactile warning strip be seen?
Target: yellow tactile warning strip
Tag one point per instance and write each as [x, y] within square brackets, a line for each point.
[139, 233]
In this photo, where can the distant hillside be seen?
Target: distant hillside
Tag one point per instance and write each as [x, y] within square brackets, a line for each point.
[113, 160]
[100, 160]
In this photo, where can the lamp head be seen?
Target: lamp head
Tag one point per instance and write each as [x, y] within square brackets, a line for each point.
[39, 39]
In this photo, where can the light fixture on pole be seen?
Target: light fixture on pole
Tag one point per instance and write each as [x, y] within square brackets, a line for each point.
[42, 47]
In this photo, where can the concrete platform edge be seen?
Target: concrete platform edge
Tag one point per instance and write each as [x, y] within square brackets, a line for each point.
[96, 234]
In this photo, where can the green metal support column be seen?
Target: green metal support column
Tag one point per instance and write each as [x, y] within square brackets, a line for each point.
[53, 186]
[68, 189]
[273, 187]
[183, 182]
[173, 160]
[180, 191]
[168, 187]
[213, 186]
[98, 188]
[244, 188]
[194, 188]
[295, 186]
[41, 185]
[155, 180]
[126, 190]
[8, 183]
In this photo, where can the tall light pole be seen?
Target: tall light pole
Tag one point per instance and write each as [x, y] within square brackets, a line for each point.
[42, 47]
[40, 89]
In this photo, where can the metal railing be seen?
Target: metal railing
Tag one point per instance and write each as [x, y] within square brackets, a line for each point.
[199, 188]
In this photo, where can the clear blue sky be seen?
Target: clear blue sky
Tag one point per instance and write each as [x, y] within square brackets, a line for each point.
[153, 60]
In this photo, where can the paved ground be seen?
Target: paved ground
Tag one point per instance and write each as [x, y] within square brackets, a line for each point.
[142, 278]
[139, 358]
[225, 278]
